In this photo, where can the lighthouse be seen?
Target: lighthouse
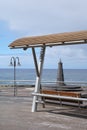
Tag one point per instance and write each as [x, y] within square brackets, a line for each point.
[60, 75]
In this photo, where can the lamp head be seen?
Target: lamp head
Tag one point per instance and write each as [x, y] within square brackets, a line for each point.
[19, 63]
[11, 64]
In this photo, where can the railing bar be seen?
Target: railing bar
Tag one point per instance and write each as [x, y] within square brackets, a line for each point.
[60, 97]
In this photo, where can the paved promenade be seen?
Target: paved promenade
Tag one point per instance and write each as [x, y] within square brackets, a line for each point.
[15, 114]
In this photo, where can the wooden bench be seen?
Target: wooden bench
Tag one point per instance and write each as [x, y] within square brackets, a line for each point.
[57, 97]
[61, 93]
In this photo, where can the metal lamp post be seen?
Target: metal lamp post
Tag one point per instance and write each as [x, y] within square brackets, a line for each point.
[15, 62]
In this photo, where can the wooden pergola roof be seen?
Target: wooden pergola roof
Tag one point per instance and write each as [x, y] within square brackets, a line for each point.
[68, 38]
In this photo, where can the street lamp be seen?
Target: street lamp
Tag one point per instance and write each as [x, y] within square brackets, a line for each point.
[15, 62]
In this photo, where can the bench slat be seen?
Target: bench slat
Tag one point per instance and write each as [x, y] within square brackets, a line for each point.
[61, 93]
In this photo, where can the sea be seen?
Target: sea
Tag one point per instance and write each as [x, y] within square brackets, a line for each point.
[28, 76]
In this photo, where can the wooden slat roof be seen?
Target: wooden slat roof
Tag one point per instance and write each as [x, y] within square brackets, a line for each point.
[51, 40]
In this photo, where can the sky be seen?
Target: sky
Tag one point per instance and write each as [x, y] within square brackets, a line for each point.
[20, 18]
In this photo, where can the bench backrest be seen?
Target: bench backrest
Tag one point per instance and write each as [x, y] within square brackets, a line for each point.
[61, 93]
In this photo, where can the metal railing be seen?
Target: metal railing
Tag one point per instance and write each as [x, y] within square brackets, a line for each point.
[42, 82]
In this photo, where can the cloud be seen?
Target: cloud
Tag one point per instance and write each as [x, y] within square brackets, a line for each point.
[75, 52]
[26, 61]
[36, 17]
[71, 56]
[46, 16]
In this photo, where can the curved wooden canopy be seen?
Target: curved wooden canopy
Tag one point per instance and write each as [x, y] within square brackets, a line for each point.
[68, 38]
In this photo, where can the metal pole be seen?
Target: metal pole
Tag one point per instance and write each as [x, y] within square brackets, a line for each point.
[35, 61]
[13, 59]
[38, 78]
[15, 91]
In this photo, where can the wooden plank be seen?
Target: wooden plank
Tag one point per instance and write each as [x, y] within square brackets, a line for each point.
[62, 93]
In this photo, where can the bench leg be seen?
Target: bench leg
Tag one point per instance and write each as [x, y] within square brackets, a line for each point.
[60, 102]
[79, 104]
[43, 99]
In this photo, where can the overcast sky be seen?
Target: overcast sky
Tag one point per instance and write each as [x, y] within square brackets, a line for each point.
[19, 18]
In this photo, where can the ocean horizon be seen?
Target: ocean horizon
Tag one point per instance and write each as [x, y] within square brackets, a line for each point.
[75, 75]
